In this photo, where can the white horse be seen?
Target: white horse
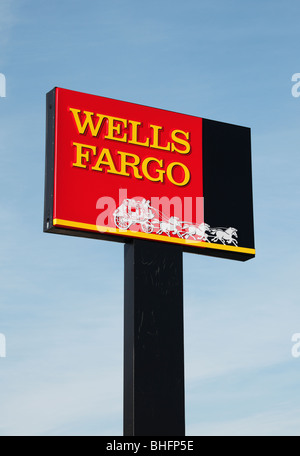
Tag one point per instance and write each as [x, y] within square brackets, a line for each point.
[225, 236]
[199, 231]
[170, 226]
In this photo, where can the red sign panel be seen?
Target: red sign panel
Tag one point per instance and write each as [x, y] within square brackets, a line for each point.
[119, 170]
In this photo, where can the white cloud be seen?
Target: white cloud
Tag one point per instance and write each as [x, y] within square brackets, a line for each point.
[64, 368]
[45, 408]
[283, 422]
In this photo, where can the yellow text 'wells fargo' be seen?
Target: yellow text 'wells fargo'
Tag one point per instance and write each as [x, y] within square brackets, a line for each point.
[101, 159]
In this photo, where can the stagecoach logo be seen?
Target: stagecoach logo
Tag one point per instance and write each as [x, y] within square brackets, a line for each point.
[151, 220]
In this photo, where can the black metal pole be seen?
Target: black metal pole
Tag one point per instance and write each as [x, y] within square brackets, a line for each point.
[153, 340]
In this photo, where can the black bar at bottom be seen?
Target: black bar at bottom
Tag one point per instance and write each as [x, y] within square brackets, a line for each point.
[153, 340]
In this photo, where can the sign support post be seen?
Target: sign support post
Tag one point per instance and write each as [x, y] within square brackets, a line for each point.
[153, 340]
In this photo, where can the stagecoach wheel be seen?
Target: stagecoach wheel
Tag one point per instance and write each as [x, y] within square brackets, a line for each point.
[147, 227]
[122, 223]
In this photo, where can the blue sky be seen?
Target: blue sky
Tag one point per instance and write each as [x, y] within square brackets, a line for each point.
[61, 298]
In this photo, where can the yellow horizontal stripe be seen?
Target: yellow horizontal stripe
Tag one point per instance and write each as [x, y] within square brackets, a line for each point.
[156, 237]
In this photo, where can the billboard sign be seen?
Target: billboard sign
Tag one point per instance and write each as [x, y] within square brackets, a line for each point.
[118, 171]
